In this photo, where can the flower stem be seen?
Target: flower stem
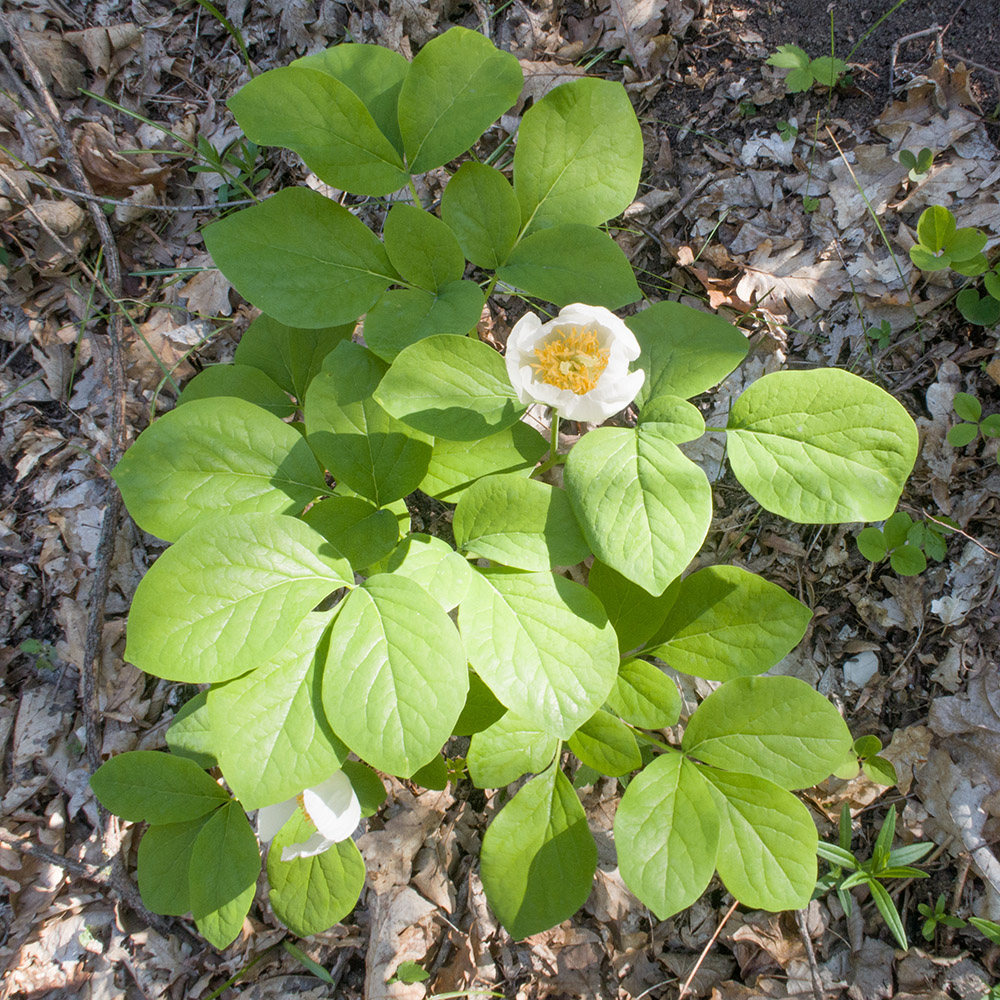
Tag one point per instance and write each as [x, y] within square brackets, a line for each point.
[413, 191]
[489, 288]
[554, 457]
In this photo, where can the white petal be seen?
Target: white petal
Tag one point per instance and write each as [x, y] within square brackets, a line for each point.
[316, 844]
[333, 807]
[607, 399]
[270, 819]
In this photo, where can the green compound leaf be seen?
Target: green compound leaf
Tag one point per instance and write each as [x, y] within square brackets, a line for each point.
[404, 316]
[451, 387]
[685, 351]
[981, 311]
[570, 262]
[539, 857]
[325, 122]
[396, 676]
[635, 614]
[821, 447]
[968, 407]
[301, 258]
[767, 846]
[607, 745]
[789, 57]
[310, 895]
[935, 227]
[827, 70]
[578, 155]
[643, 506]
[289, 356]
[667, 835]
[163, 863]
[542, 643]
[358, 529]
[277, 711]
[777, 728]
[456, 465]
[645, 696]
[519, 522]
[211, 457]
[377, 456]
[481, 209]
[190, 733]
[457, 86]
[434, 565]
[422, 248]
[241, 382]
[508, 748]
[374, 73]
[225, 863]
[871, 544]
[146, 786]
[729, 623]
[799, 80]
[927, 260]
[229, 595]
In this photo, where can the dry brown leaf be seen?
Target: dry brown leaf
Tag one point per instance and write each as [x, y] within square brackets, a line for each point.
[870, 181]
[107, 49]
[207, 292]
[633, 25]
[790, 281]
[108, 170]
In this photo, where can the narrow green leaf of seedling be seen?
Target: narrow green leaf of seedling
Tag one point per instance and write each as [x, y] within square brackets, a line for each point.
[838, 856]
[883, 843]
[909, 854]
[987, 927]
[889, 913]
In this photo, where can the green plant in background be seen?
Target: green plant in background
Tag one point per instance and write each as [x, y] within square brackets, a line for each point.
[936, 915]
[786, 130]
[805, 72]
[237, 164]
[906, 542]
[880, 335]
[941, 243]
[970, 410]
[333, 642]
[847, 871]
[866, 756]
[918, 165]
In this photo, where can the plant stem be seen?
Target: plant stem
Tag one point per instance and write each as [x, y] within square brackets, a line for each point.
[554, 457]
[489, 288]
[413, 191]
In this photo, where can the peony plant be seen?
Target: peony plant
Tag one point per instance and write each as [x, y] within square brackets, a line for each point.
[537, 646]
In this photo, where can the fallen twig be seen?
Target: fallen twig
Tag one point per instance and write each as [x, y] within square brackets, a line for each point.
[686, 985]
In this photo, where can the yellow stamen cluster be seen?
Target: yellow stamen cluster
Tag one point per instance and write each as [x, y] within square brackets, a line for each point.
[301, 799]
[572, 360]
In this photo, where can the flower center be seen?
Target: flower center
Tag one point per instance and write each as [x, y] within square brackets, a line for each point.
[573, 359]
[301, 799]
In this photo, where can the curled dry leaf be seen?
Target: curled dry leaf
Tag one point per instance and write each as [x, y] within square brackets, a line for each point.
[109, 171]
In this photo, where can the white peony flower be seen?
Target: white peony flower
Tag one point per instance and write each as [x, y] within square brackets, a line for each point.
[576, 363]
[331, 806]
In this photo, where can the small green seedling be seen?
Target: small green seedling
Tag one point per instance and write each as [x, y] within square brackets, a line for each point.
[971, 411]
[942, 244]
[747, 109]
[935, 915]
[42, 652]
[809, 203]
[826, 71]
[979, 310]
[987, 928]
[884, 863]
[410, 972]
[242, 156]
[880, 335]
[918, 164]
[907, 543]
[786, 130]
[865, 754]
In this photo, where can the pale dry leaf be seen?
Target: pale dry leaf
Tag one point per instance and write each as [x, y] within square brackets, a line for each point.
[908, 750]
[790, 281]
[403, 929]
[207, 292]
[107, 49]
[866, 184]
[632, 25]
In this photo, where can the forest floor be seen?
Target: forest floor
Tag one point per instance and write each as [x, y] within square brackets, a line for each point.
[721, 220]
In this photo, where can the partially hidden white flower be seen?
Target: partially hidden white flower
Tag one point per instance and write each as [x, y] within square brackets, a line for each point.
[331, 806]
[576, 363]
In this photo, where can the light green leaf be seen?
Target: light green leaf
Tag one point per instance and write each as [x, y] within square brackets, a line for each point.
[434, 565]
[607, 745]
[519, 522]
[451, 387]
[242, 382]
[162, 866]
[301, 258]
[211, 457]
[355, 527]
[578, 155]
[981, 311]
[325, 122]
[643, 506]
[542, 643]
[229, 595]
[362, 446]
[225, 863]
[777, 728]
[767, 846]
[667, 835]
[635, 613]
[481, 709]
[507, 749]
[927, 260]
[310, 895]
[676, 418]
[289, 356]
[962, 434]
[367, 786]
[799, 80]
[871, 544]
[685, 351]
[908, 560]
[821, 447]
[827, 70]
[645, 696]
[458, 85]
[966, 243]
[272, 737]
[880, 770]
[404, 316]
[456, 465]
[422, 248]
[538, 857]
[935, 227]
[789, 57]
[729, 623]
[146, 786]
[570, 262]
[968, 407]
[480, 207]
[190, 733]
[396, 676]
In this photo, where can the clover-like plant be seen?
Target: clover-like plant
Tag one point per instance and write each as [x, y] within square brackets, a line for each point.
[804, 72]
[332, 640]
[918, 165]
[906, 542]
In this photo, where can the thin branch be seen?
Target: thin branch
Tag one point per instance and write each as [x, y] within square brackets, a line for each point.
[704, 952]
[817, 983]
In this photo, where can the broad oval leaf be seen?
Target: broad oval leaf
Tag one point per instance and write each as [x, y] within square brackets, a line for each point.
[821, 447]
[163, 863]
[355, 527]
[434, 565]
[643, 506]
[578, 155]
[212, 457]
[396, 676]
[229, 595]
[607, 745]
[422, 248]
[481, 209]
[507, 749]
[190, 733]
[645, 696]
[301, 258]
[542, 643]
[635, 614]
[539, 857]
[481, 709]
[777, 728]
[729, 623]
[678, 419]
[935, 227]
[667, 835]
[242, 382]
